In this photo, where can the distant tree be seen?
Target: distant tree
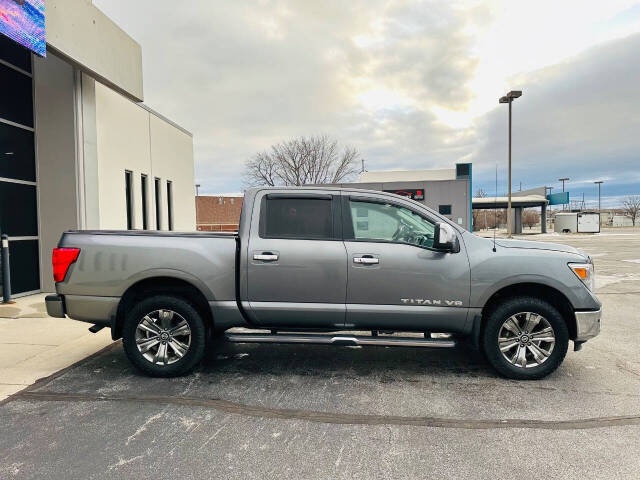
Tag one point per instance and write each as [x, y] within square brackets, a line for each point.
[631, 207]
[530, 217]
[302, 161]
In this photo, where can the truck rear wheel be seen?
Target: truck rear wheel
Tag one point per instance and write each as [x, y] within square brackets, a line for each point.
[525, 338]
[164, 336]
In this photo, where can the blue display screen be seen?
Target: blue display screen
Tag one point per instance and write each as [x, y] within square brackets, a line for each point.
[23, 22]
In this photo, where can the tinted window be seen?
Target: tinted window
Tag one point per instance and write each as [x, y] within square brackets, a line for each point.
[390, 223]
[17, 100]
[18, 209]
[17, 157]
[298, 218]
[129, 200]
[444, 209]
[143, 192]
[170, 204]
[156, 187]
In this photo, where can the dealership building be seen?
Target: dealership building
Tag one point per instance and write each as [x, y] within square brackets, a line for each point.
[78, 149]
[447, 191]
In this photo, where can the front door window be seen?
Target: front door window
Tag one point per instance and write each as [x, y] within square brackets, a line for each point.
[390, 223]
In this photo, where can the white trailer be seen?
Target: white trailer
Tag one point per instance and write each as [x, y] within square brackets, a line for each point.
[588, 222]
[577, 222]
[566, 222]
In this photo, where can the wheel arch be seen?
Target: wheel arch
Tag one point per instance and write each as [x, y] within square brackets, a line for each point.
[162, 285]
[537, 290]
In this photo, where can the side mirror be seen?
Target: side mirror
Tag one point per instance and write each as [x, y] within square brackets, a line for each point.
[445, 238]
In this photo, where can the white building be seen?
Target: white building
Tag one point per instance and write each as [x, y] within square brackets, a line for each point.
[78, 148]
[622, 221]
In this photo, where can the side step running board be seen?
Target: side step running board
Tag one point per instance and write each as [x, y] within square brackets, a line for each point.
[346, 340]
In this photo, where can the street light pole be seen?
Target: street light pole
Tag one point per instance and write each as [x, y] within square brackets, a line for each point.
[599, 182]
[508, 98]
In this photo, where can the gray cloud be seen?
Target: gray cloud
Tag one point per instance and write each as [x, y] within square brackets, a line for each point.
[577, 119]
[244, 75]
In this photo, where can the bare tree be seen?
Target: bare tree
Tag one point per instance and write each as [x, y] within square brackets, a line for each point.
[302, 161]
[631, 207]
[530, 217]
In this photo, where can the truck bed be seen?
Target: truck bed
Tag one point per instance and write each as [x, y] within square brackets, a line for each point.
[111, 261]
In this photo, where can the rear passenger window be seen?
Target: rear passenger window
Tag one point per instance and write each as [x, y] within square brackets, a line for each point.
[309, 218]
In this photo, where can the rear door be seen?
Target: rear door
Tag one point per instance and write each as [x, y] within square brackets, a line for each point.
[397, 281]
[297, 262]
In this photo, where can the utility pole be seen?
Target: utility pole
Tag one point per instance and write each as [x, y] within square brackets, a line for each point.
[363, 170]
[508, 98]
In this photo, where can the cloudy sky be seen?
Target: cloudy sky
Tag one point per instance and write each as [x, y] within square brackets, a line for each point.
[411, 84]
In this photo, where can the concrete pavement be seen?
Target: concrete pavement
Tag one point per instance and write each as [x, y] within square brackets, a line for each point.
[34, 345]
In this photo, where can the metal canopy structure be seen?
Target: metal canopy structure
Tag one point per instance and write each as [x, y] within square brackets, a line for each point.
[517, 203]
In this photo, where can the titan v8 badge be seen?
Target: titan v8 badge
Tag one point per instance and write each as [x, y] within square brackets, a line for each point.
[422, 301]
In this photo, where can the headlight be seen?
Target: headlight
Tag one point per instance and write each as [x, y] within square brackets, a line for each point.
[585, 272]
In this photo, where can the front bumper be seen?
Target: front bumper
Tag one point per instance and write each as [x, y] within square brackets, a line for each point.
[587, 324]
[55, 306]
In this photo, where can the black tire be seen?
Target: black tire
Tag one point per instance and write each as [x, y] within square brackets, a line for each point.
[196, 349]
[494, 322]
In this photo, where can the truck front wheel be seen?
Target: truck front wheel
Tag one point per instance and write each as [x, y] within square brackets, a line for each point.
[525, 338]
[164, 336]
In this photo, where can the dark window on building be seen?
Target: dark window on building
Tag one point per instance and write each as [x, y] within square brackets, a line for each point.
[463, 170]
[308, 218]
[143, 191]
[128, 178]
[24, 266]
[15, 54]
[444, 209]
[170, 204]
[17, 156]
[156, 189]
[17, 100]
[18, 214]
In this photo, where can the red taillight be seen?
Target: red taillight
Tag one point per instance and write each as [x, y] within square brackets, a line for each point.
[62, 259]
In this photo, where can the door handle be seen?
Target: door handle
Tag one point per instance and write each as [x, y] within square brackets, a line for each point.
[265, 256]
[366, 260]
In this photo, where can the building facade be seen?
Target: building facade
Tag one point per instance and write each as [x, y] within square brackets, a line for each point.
[78, 148]
[218, 213]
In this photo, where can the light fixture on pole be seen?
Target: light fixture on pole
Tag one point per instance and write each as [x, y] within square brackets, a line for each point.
[197, 188]
[508, 98]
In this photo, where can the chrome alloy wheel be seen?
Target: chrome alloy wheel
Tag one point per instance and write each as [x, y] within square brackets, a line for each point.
[526, 339]
[163, 337]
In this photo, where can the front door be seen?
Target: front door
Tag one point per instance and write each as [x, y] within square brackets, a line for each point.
[297, 262]
[397, 281]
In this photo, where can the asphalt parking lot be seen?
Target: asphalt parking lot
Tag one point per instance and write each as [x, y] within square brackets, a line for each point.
[269, 411]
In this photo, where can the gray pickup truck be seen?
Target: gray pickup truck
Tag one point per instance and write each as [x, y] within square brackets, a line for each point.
[328, 266]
